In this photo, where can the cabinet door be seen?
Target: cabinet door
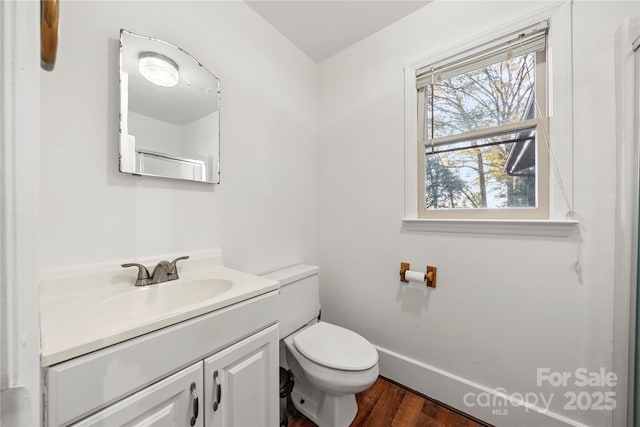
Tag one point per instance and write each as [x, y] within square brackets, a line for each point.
[241, 383]
[174, 401]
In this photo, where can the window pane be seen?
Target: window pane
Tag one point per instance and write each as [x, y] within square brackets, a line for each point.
[497, 172]
[490, 96]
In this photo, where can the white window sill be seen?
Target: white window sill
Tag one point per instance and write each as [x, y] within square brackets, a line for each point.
[515, 227]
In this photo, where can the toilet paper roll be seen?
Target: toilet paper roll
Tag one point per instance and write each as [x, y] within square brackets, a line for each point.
[414, 276]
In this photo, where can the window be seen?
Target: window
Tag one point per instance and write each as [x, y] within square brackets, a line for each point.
[482, 130]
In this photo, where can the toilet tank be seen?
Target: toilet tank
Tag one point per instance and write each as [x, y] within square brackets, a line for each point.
[299, 301]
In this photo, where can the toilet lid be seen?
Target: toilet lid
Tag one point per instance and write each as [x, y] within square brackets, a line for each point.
[335, 347]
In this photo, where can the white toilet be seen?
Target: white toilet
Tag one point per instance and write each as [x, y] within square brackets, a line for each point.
[329, 363]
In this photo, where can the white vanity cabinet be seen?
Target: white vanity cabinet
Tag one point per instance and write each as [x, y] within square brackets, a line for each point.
[241, 386]
[174, 401]
[155, 379]
[241, 389]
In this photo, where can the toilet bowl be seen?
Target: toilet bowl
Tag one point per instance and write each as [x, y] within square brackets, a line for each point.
[329, 363]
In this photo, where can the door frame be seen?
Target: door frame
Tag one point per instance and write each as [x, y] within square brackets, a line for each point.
[19, 178]
[627, 196]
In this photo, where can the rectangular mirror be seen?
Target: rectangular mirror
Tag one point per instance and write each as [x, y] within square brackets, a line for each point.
[169, 112]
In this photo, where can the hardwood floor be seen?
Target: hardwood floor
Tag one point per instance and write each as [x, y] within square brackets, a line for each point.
[386, 404]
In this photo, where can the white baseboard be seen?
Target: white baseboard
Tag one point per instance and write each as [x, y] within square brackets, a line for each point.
[451, 389]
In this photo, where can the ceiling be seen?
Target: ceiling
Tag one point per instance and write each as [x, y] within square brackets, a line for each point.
[323, 28]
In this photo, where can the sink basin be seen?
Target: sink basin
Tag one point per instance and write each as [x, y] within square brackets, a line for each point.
[91, 310]
[163, 297]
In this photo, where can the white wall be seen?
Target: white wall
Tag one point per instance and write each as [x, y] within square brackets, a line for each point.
[196, 141]
[198, 134]
[262, 215]
[504, 305]
[154, 135]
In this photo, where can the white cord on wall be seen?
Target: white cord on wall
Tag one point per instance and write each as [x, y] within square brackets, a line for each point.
[570, 202]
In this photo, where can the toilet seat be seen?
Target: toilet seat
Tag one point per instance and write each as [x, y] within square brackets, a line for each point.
[335, 347]
[329, 380]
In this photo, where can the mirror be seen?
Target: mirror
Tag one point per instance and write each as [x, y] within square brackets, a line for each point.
[169, 112]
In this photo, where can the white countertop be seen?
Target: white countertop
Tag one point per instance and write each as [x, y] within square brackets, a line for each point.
[86, 312]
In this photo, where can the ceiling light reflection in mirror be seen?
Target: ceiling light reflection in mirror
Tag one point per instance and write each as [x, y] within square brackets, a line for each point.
[158, 69]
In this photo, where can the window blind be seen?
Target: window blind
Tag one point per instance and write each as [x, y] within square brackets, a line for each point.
[528, 40]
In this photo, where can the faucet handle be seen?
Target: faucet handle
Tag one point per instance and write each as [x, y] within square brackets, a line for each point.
[174, 271]
[143, 274]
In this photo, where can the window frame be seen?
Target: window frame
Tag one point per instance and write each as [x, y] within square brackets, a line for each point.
[559, 51]
[541, 211]
[541, 125]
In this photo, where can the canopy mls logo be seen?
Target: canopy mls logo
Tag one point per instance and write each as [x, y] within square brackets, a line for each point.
[594, 393]
[499, 399]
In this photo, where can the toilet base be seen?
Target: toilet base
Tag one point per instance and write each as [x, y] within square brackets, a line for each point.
[324, 395]
[326, 410]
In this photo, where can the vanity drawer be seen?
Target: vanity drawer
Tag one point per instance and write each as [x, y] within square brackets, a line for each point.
[80, 386]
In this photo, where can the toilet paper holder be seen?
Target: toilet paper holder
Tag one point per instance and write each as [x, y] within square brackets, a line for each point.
[429, 275]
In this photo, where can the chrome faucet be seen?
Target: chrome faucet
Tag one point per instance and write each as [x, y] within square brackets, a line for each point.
[164, 271]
